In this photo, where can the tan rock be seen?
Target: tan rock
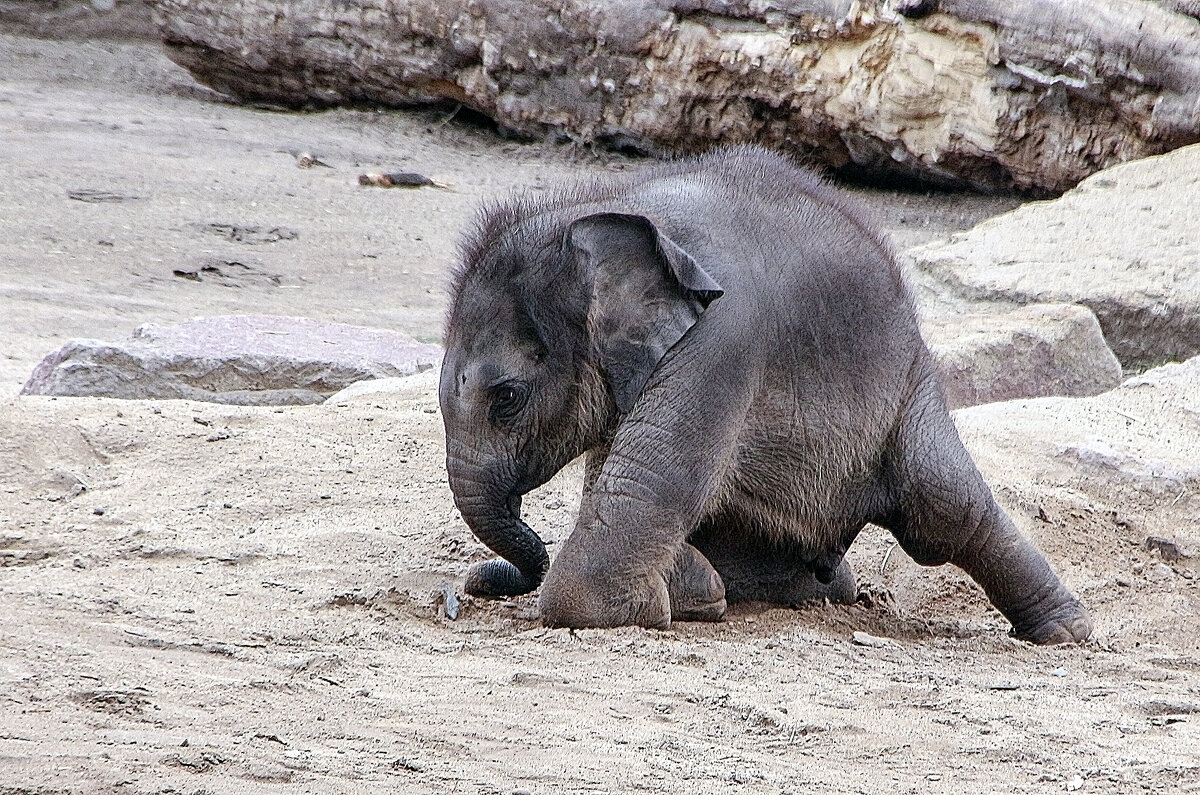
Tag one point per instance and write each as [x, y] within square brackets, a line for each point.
[1034, 351]
[1124, 244]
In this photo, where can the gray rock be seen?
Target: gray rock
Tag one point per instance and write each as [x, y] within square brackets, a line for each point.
[1124, 244]
[1034, 351]
[243, 360]
[110, 19]
[1160, 572]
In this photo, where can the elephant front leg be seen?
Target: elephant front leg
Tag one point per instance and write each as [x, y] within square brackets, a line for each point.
[627, 561]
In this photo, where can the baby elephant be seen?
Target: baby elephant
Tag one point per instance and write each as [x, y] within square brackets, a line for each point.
[733, 346]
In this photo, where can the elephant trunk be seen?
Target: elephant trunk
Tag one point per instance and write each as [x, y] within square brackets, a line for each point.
[494, 516]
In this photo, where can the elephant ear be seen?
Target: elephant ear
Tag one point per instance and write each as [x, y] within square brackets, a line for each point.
[646, 293]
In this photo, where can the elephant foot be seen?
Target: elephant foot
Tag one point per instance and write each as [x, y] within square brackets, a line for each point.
[806, 586]
[789, 583]
[1069, 623]
[603, 600]
[696, 590]
[691, 591]
[579, 596]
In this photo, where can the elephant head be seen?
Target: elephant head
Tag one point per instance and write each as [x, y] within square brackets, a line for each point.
[555, 325]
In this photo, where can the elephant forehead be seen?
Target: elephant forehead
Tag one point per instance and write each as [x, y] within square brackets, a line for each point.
[483, 306]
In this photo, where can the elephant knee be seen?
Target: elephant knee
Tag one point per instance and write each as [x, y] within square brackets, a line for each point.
[939, 533]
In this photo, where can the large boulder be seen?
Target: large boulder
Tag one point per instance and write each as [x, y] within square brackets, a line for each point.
[1124, 243]
[56, 19]
[1033, 94]
[238, 359]
[1033, 351]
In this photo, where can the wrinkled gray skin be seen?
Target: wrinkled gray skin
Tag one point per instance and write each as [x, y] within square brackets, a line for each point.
[735, 350]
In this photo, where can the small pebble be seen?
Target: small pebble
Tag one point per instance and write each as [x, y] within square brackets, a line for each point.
[1060, 671]
[1075, 784]
[863, 639]
[1160, 572]
[450, 601]
[1166, 548]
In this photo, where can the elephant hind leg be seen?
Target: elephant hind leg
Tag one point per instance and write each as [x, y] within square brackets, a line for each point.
[696, 589]
[756, 569]
[946, 513]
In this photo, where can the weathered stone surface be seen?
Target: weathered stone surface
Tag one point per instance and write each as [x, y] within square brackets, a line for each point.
[57, 19]
[1033, 94]
[239, 359]
[1129, 449]
[1124, 244]
[415, 387]
[1033, 351]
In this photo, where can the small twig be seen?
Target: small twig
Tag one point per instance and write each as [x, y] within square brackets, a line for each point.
[401, 179]
[457, 107]
[1129, 417]
[886, 555]
[1182, 492]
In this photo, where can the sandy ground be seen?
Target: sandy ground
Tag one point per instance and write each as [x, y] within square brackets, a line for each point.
[201, 598]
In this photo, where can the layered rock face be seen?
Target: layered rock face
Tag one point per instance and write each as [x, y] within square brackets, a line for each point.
[1034, 95]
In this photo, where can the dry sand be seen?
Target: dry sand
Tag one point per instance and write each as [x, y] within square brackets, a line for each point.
[201, 598]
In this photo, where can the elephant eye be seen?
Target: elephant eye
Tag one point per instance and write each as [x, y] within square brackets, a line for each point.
[507, 400]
